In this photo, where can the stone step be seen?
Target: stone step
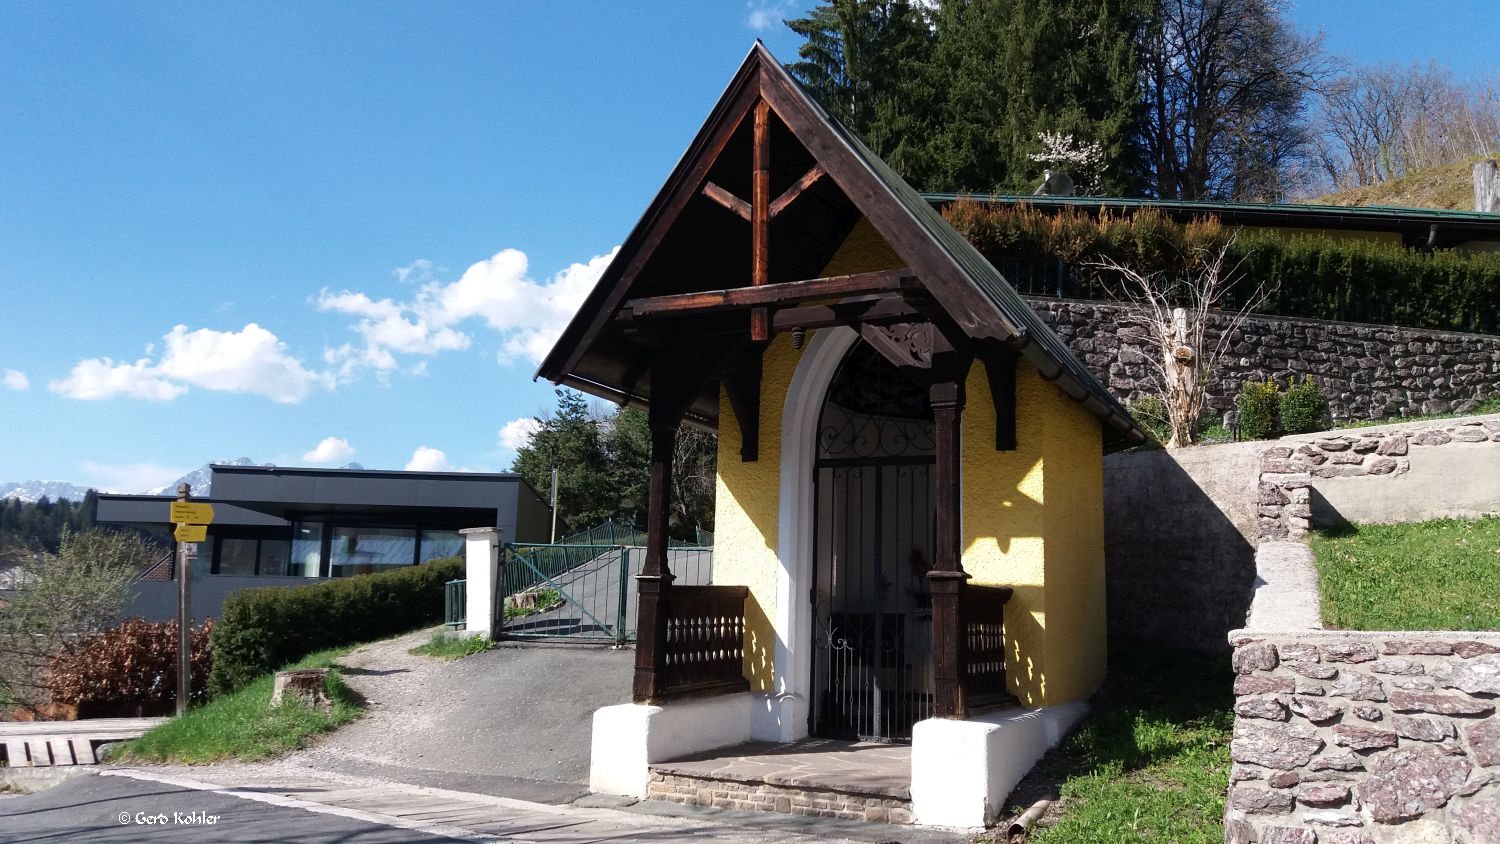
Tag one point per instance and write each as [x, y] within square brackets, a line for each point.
[691, 788]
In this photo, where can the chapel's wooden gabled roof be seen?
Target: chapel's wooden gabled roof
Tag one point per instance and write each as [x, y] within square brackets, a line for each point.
[693, 238]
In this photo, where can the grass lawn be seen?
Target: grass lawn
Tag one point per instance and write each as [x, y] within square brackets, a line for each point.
[1490, 406]
[1437, 575]
[244, 725]
[444, 645]
[1151, 762]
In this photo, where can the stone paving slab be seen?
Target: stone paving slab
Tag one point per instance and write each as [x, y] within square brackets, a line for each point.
[842, 766]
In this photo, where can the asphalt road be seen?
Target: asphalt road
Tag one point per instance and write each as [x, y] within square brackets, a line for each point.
[116, 809]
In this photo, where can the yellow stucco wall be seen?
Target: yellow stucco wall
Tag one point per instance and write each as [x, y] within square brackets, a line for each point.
[1034, 520]
[1033, 517]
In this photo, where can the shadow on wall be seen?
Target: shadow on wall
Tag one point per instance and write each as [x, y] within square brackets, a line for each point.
[1178, 538]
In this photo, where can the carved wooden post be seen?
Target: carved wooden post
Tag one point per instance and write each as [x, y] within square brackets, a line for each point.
[947, 576]
[654, 584]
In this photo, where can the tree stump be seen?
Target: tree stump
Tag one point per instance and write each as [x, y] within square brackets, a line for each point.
[303, 685]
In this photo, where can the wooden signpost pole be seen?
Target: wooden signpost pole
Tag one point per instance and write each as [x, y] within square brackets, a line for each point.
[184, 616]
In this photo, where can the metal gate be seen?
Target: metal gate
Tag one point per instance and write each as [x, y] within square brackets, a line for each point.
[872, 610]
[584, 588]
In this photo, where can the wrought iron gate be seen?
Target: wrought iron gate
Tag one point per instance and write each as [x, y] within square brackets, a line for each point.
[872, 610]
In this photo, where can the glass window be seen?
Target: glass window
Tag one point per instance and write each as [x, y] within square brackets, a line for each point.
[274, 555]
[437, 544]
[307, 550]
[237, 557]
[361, 550]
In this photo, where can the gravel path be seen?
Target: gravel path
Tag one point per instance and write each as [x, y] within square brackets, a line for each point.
[511, 720]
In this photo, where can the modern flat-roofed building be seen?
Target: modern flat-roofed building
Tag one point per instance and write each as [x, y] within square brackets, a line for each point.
[279, 525]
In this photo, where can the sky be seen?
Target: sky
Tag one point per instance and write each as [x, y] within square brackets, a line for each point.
[311, 234]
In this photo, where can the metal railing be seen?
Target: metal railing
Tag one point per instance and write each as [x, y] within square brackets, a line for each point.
[455, 602]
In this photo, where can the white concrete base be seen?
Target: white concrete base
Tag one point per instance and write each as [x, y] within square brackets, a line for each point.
[629, 737]
[778, 717]
[962, 771]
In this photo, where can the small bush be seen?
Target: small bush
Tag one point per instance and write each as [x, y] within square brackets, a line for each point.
[1259, 410]
[1152, 416]
[261, 630]
[1303, 408]
[130, 670]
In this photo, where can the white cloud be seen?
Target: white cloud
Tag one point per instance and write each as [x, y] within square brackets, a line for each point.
[129, 477]
[516, 434]
[765, 14]
[330, 450]
[251, 360]
[14, 380]
[529, 315]
[426, 459]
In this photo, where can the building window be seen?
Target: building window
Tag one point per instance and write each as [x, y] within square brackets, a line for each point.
[237, 557]
[362, 550]
[274, 557]
[307, 550]
[437, 544]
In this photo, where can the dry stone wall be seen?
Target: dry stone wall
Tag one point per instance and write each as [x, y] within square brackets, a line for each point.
[1367, 371]
[1365, 738]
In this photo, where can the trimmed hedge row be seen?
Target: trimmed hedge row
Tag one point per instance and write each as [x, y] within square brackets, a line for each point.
[1314, 276]
[261, 630]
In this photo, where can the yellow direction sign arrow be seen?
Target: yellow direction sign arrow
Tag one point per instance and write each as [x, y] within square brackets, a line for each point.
[190, 512]
[191, 533]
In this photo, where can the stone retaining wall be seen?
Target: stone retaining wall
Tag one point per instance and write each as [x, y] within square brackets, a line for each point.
[1365, 738]
[764, 797]
[1367, 371]
[1294, 467]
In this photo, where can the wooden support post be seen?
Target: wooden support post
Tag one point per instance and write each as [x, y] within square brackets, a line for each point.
[741, 384]
[654, 584]
[1000, 370]
[760, 219]
[947, 576]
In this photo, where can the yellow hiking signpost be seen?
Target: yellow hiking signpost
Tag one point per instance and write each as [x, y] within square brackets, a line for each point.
[191, 533]
[192, 513]
[193, 519]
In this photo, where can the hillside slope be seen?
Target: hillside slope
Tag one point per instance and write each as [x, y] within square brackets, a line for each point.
[1449, 186]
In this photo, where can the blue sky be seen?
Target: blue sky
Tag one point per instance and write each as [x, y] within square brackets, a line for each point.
[315, 233]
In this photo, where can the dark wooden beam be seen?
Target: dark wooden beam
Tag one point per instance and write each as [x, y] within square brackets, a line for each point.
[790, 194]
[760, 219]
[727, 199]
[741, 384]
[1000, 370]
[947, 578]
[886, 309]
[782, 293]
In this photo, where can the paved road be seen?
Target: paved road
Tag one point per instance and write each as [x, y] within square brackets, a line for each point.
[512, 721]
[91, 808]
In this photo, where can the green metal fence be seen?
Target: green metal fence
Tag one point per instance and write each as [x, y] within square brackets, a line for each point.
[455, 602]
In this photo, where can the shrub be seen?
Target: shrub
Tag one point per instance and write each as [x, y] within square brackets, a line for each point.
[130, 670]
[1303, 407]
[1259, 406]
[261, 630]
[1313, 276]
[1152, 416]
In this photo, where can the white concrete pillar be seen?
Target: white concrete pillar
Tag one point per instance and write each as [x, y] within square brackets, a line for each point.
[482, 571]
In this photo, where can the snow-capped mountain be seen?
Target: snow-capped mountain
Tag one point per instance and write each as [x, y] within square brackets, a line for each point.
[32, 491]
[200, 478]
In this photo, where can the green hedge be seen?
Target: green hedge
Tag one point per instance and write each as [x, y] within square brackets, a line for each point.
[1260, 410]
[1304, 408]
[261, 630]
[1314, 276]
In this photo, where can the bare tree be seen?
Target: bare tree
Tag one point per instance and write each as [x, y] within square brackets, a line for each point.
[1175, 310]
[1382, 122]
[59, 600]
[1224, 86]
